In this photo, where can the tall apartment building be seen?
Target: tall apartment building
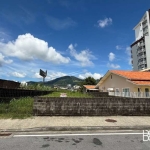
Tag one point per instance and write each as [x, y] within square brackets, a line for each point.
[140, 49]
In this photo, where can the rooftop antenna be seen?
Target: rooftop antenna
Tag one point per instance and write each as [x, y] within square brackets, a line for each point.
[43, 74]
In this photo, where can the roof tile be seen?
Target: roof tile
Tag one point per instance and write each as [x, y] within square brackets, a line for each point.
[141, 82]
[89, 86]
[133, 75]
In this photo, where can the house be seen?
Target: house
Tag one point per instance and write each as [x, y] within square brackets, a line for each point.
[89, 88]
[23, 83]
[126, 82]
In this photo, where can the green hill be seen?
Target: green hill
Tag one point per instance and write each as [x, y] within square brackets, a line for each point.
[62, 81]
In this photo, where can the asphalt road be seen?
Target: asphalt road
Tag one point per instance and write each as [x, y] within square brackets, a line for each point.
[94, 141]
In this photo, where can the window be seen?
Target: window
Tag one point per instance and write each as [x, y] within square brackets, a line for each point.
[126, 92]
[117, 92]
[146, 92]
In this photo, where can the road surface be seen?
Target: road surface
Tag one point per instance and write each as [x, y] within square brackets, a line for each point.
[91, 141]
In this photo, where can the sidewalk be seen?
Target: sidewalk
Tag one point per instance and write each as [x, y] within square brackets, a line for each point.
[74, 123]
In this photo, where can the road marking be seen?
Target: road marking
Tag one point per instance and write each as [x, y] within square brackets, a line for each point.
[42, 135]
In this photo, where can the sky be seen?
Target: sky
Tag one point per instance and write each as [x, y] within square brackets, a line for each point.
[66, 37]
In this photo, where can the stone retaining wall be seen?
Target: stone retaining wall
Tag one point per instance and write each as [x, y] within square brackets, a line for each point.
[108, 106]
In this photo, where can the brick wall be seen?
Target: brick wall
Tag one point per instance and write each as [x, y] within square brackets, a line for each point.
[108, 106]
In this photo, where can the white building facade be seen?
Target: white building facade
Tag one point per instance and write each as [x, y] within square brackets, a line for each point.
[140, 49]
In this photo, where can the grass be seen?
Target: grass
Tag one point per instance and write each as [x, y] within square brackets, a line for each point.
[68, 93]
[17, 108]
[23, 107]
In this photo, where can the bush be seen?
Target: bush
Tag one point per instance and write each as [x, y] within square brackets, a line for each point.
[17, 108]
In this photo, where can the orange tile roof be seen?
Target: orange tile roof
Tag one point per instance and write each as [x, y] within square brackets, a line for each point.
[133, 75]
[89, 86]
[141, 82]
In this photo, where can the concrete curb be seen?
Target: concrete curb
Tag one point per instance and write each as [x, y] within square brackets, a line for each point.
[77, 128]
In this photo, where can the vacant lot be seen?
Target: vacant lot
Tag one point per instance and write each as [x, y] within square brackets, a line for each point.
[68, 94]
[23, 107]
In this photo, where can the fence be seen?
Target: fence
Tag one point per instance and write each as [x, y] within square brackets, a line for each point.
[131, 94]
[7, 94]
[9, 84]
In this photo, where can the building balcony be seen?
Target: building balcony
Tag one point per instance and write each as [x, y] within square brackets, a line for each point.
[142, 63]
[146, 34]
[140, 50]
[142, 56]
[141, 45]
[145, 31]
[144, 25]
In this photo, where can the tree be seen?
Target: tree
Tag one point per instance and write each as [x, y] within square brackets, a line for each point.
[87, 81]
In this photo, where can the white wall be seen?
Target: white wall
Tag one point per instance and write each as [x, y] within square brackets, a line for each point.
[148, 22]
[117, 82]
[135, 59]
[147, 47]
[138, 32]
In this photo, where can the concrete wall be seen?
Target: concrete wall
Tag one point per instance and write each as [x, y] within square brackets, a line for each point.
[135, 59]
[110, 106]
[138, 32]
[147, 47]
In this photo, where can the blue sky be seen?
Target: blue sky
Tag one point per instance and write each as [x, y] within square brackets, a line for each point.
[66, 37]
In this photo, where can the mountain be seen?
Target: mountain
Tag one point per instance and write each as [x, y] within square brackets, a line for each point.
[62, 81]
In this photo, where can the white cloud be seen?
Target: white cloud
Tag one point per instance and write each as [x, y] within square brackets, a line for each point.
[111, 56]
[84, 57]
[89, 74]
[3, 60]
[50, 76]
[4, 35]
[60, 24]
[104, 23]
[19, 75]
[128, 51]
[113, 66]
[118, 47]
[36, 75]
[27, 47]
[54, 75]
[129, 61]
